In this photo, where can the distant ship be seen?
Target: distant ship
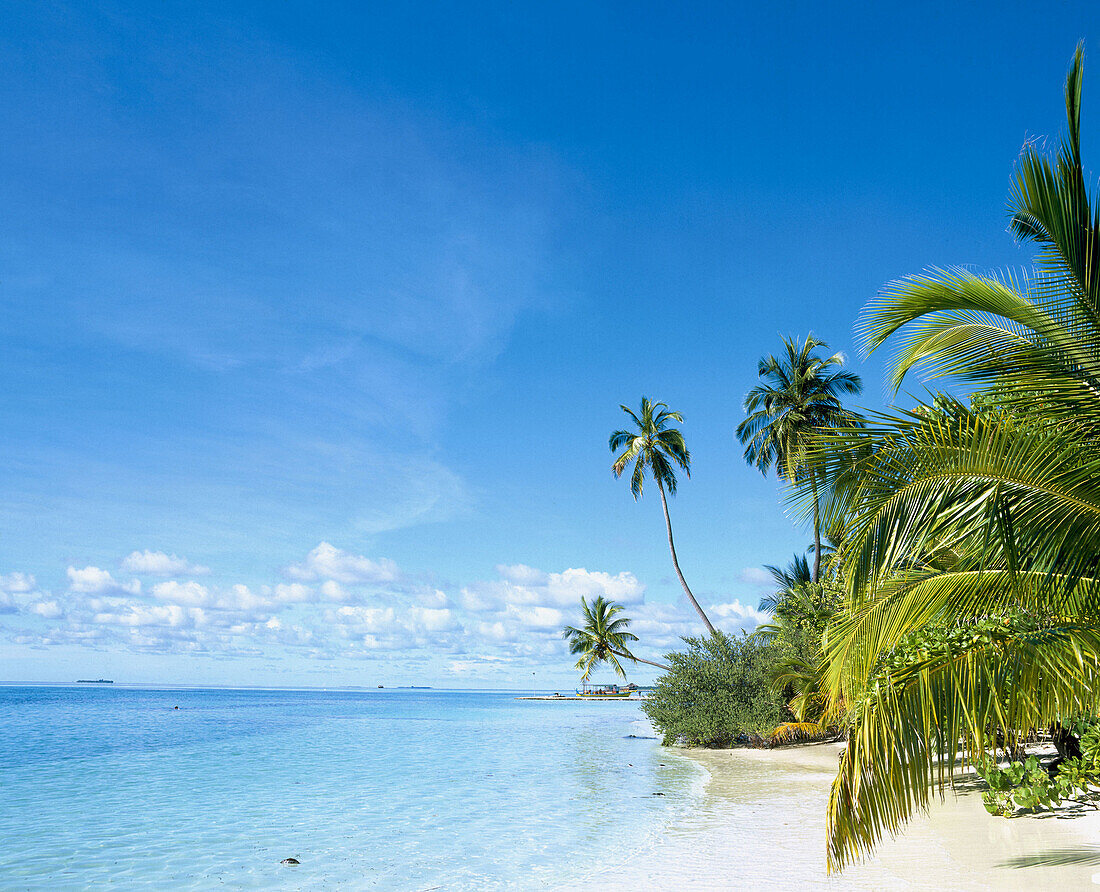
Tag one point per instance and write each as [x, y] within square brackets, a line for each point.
[94, 681]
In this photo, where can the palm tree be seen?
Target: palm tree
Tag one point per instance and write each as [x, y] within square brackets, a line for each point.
[655, 448]
[787, 579]
[971, 553]
[602, 638]
[798, 396]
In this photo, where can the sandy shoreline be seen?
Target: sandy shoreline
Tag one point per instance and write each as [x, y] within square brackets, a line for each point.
[762, 821]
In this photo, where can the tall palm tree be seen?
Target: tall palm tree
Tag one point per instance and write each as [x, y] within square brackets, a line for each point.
[602, 638]
[972, 546]
[799, 395]
[655, 448]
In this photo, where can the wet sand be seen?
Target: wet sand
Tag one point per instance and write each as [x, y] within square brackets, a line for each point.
[762, 823]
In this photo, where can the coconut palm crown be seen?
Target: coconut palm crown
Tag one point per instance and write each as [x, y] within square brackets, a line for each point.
[603, 637]
[795, 575]
[798, 396]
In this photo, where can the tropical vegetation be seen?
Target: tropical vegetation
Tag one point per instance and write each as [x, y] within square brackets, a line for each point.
[717, 693]
[952, 613]
[972, 531]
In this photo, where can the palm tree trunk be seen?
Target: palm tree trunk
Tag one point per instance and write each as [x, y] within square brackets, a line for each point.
[817, 534]
[641, 660]
[676, 563]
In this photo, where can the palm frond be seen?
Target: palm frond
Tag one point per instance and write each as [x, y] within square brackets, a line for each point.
[913, 725]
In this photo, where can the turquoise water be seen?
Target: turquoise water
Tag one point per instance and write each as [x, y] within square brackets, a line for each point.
[113, 787]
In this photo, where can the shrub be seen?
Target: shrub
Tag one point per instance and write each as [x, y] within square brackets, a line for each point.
[1027, 785]
[718, 693]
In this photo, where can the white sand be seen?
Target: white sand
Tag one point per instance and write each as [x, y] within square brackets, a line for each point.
[762, 825]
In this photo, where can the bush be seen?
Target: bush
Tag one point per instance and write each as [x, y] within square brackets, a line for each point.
[1029, 786]
[717, 694]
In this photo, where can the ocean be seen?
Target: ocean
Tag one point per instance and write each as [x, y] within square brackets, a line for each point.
[115, 787]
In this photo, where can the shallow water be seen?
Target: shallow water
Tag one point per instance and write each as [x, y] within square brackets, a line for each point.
[114, 787]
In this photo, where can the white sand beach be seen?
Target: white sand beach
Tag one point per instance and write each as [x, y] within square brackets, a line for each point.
[762, 823]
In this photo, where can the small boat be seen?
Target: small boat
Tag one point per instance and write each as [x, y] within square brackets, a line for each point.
[604, 691]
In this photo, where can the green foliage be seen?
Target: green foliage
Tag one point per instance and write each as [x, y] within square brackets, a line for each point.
[797, 397]
[796, 573]
[718, 693]
[800, 617]
[799, 393]
[1027, 786]
[982, 522]
[1086, 729]
[655, 448]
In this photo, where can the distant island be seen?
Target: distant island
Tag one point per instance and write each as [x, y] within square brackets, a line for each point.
[94, 681]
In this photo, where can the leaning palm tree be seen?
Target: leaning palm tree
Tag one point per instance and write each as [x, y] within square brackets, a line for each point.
[603, 637]
[655, 448]
[799, 395]
[972, 546]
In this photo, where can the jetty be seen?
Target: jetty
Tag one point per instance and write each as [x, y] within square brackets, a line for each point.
[584, 699]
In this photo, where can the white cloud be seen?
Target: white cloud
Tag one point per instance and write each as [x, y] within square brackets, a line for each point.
[493, 631]
[47, 609]
[563, 589]
[535, 617]
[294, 593]
[140, 615]
[478, 664]
[370, 619]
[572, 584]
[189, 594]
[337, 605]
[235, 598]
[17, 583]
[241, 597]
[12, 586]
[328, 562]
[521, 574]
[94, 581]
[433, 597]
[157, 563]
[736, 615]
[756, 576]
[430, 619]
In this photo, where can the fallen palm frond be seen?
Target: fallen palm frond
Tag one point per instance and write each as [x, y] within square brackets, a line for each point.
[800, 732]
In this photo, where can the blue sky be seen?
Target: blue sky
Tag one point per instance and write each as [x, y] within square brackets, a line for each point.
[316, 320]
